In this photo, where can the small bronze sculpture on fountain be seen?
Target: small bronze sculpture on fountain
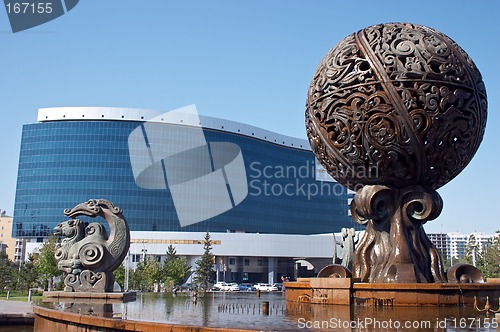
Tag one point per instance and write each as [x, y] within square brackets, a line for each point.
[349, 240]
[394, 112]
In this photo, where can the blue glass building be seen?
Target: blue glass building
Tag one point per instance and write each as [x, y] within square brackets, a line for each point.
[76, 153]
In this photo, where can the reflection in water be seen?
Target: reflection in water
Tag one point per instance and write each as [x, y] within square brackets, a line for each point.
[16, 328]
[244, 310]
[91, 307]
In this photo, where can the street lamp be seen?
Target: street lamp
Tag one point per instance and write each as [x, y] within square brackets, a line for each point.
[474, 248]
[127, 272]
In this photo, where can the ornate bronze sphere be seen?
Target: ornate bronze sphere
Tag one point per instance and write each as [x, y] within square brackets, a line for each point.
[396, 104]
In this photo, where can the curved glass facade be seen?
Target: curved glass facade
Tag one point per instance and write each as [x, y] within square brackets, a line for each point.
[63, 163]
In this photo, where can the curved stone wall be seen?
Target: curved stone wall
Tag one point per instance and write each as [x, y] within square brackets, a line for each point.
[58, 321]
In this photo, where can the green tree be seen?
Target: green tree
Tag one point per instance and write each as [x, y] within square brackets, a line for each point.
[204, 266]
[152, 273]
[135, 280]
[175, 269]
[490, 258]
[29, 276]
[119, 274]
[147, 275]
[46, 264]
[171, 253]
[8, 273]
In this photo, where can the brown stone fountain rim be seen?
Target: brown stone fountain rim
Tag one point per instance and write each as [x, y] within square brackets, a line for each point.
[122, 296]
[59, 321]
[347, 291]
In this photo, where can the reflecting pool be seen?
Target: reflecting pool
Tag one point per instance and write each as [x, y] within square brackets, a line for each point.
[244, 310]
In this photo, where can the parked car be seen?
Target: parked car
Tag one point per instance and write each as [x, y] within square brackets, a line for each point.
[257, 286]
[272, 288]
[265, 287]
[246, 287]
[231, 287]
[219, 285]
[278, 285]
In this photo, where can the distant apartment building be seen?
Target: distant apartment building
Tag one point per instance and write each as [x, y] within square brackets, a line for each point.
[14, 248]
[452, 246]
[442, 243]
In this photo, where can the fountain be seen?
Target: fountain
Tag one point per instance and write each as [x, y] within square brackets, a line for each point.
[395, 111]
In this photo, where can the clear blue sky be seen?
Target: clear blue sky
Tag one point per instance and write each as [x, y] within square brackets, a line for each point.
[247, 61]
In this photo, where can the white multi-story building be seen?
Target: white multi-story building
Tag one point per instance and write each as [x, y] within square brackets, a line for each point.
[442, 243]
[237, 255]
[452, 246]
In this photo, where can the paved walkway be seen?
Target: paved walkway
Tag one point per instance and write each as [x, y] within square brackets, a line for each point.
[16, 312]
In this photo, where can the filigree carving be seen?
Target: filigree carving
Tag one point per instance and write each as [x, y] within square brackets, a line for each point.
[396, 104]
[395, 111]
[86, 253]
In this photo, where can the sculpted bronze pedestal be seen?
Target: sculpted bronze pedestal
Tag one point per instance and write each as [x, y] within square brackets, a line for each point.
[395, 247]
[395, 111]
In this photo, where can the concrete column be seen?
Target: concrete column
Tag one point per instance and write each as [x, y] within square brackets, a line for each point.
[217, 267]
[271, 270]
